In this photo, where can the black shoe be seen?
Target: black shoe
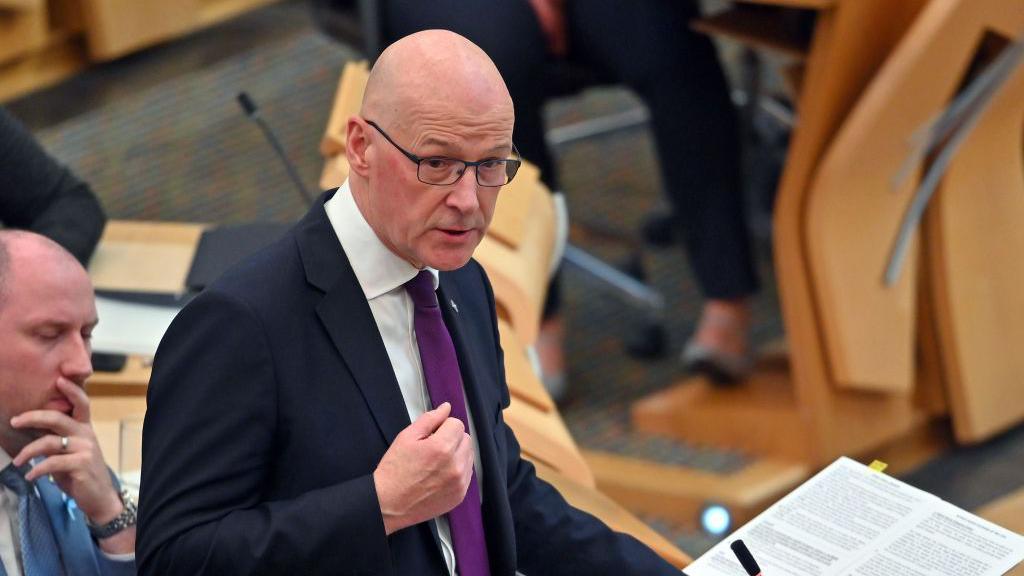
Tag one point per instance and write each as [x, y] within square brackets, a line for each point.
[720, 367]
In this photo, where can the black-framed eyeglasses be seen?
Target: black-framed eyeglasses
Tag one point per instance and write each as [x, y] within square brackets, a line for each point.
[444, 171]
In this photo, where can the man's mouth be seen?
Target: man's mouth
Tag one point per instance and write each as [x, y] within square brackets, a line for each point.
[60, 405]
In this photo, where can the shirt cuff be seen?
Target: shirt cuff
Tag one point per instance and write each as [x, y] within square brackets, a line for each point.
[127, 557]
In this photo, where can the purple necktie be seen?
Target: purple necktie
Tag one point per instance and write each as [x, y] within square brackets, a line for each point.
[444, 384]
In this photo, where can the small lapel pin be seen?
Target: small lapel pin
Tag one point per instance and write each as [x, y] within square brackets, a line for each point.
[454, 307]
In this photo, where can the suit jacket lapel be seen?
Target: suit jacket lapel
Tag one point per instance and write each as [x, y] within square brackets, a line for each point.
[347, 318]
[500, 546]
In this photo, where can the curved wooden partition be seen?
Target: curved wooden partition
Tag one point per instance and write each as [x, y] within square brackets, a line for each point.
[517, 252]
[854, 211]
[975, 236]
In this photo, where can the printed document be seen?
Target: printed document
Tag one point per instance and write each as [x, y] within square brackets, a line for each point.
[849, 520]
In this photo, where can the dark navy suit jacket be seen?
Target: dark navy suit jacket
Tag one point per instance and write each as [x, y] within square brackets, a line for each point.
[273, 399]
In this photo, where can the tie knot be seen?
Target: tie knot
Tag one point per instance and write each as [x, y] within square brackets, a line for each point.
[14, 478]
[421, 290]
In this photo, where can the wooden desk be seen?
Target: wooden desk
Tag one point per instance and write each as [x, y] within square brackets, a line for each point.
[46, 41]
[140, 257]
[109, 415]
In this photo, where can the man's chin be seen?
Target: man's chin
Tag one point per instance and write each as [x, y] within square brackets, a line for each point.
[446, 259]
[449, 263]
[14, 440]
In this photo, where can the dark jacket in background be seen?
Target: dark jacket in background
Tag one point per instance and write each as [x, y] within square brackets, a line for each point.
[39, 194]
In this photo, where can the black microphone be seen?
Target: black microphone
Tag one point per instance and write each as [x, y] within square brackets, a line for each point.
[247, 104]
[745, 558]
[250, 109]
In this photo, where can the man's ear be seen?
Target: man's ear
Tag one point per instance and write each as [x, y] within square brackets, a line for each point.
[357, 144]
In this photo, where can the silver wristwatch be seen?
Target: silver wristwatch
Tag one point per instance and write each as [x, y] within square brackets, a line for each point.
[126, 519]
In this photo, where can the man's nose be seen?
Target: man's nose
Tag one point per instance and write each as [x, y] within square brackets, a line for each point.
[77, 364]
[463, 196]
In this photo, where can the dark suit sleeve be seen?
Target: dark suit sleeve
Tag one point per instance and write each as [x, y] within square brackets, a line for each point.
[38, 194]
[552, 537]
[208, 450]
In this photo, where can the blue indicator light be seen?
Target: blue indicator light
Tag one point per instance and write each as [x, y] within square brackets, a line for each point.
[715, 520]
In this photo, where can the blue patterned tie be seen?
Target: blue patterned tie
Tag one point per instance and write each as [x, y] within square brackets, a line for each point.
[39, 553]
[444, 384]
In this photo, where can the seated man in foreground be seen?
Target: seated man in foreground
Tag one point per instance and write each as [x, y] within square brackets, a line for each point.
[333, 405]
[60, 511]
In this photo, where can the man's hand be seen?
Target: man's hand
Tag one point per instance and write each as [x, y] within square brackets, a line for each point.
[78, 470]
[426, 471]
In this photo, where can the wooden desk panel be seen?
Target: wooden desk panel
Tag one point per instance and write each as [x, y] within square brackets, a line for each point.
[108, 415]
[348, 98]
[23, 28]
[615, 516]
[117, 27]
[523, 383]
[850, 43]
[975, 237]
[140, 256]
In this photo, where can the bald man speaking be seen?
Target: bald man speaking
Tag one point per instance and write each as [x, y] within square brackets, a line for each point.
[333, 405]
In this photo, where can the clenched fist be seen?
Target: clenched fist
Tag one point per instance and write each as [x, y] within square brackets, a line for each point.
[426, 471]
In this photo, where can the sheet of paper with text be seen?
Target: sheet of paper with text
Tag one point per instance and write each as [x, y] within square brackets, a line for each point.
[849, 520]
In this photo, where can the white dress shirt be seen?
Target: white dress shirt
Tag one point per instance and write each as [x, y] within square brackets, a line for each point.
[382, 275]
[10, 545]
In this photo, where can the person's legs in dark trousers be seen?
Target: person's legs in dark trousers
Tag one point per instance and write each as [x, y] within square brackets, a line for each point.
[509, 32]
[648, 46]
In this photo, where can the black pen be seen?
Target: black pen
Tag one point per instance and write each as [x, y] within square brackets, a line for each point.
[745, 558]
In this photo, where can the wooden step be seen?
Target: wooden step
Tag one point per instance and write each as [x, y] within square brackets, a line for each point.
[680, 493]
[758, 417]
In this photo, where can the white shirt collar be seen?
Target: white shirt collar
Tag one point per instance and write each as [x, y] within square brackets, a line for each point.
[5, 459]
[377, 268]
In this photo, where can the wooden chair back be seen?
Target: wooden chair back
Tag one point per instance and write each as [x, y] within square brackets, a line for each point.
[854, 211]
[975, 239]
